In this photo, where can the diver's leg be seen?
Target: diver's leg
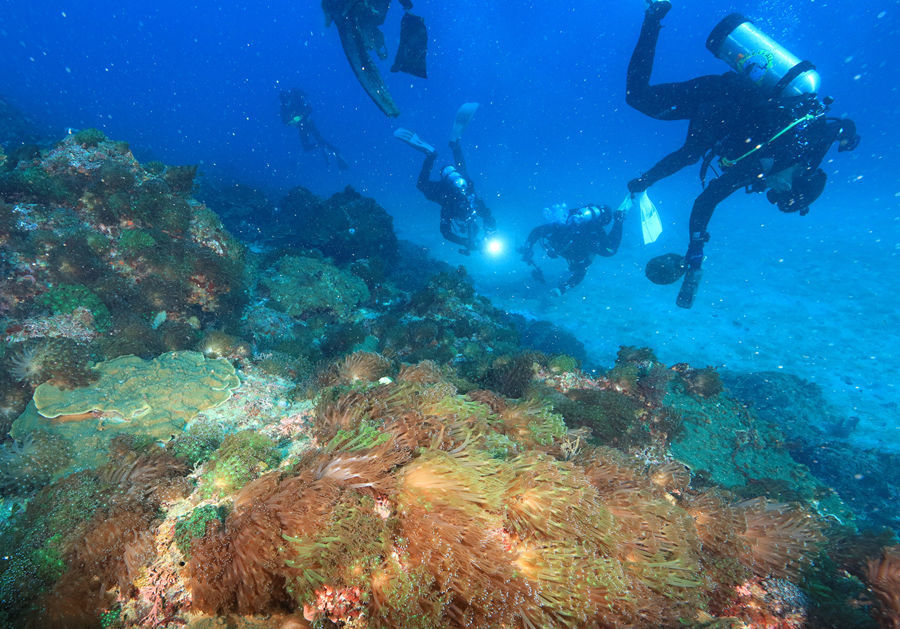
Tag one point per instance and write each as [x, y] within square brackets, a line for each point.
[653, 101]
[577, 271]
[456, 149]
[698, 141]
[666, 101]
[640, 67]
[331, 153]
[717, 191]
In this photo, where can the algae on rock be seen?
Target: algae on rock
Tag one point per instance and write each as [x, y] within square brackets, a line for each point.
[302, 286]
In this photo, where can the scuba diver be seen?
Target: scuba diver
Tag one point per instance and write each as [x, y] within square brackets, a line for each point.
[575, 235]
[465, 219]
[296, 112]
[358, 24]
[767, 104]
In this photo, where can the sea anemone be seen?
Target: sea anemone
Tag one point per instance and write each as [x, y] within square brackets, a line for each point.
[671, 476]
[782, 539]
[497, 403]
[883, 575]
[548, 499]
[362, 367]
[533, 424]
[30, 463]
[218, 344]
[423, 372]
[511, 376]
[61, 360]
[701, 383]
[356, 368]
[26, 365]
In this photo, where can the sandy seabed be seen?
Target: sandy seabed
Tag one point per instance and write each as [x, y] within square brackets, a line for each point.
[802, 297]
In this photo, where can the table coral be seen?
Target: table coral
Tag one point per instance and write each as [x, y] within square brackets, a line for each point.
[153, 399]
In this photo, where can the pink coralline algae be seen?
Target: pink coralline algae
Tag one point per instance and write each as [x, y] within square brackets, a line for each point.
[769, 604]
[565, 381]
[292, 425]
[77, 325]
[338, 604]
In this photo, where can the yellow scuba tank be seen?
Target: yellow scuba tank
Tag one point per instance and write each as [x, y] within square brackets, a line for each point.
[749, 51]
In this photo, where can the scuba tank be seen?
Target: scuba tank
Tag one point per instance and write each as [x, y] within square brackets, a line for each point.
[749, 51]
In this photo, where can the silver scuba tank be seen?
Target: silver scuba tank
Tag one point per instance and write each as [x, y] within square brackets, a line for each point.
[749, 51]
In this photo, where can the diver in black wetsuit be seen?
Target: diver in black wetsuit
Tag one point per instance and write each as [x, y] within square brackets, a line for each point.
[576, 240]
[708, 102]
[461, 207]
[296, 112]
[764, 122]
[465, 219]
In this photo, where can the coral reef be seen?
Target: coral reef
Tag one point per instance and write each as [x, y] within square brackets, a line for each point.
[303, 287]
[345, 227]
[362, 440]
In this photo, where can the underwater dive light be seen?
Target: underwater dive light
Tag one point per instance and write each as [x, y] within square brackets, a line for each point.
[494, 246]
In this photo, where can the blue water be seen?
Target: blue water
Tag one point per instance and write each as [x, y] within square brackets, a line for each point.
[815, 295]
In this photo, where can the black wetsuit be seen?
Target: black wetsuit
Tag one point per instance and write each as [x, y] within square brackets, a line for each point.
[729, 116]
[459, 210]
[577, 244]
[710, 103]
[296, 112]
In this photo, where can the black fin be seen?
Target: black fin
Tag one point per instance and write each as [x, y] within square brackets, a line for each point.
[413, 47]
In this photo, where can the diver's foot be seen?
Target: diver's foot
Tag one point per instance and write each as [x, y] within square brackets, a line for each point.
[689, 288]
[658, 9]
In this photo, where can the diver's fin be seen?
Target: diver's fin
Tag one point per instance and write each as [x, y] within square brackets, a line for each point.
[405, 135]
[689, 288]
[463, 117]
[626, 205]
[364, 68]
[413, 47]
[651, 226]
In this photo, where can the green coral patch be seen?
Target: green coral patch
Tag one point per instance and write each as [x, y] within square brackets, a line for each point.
[148, 398]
